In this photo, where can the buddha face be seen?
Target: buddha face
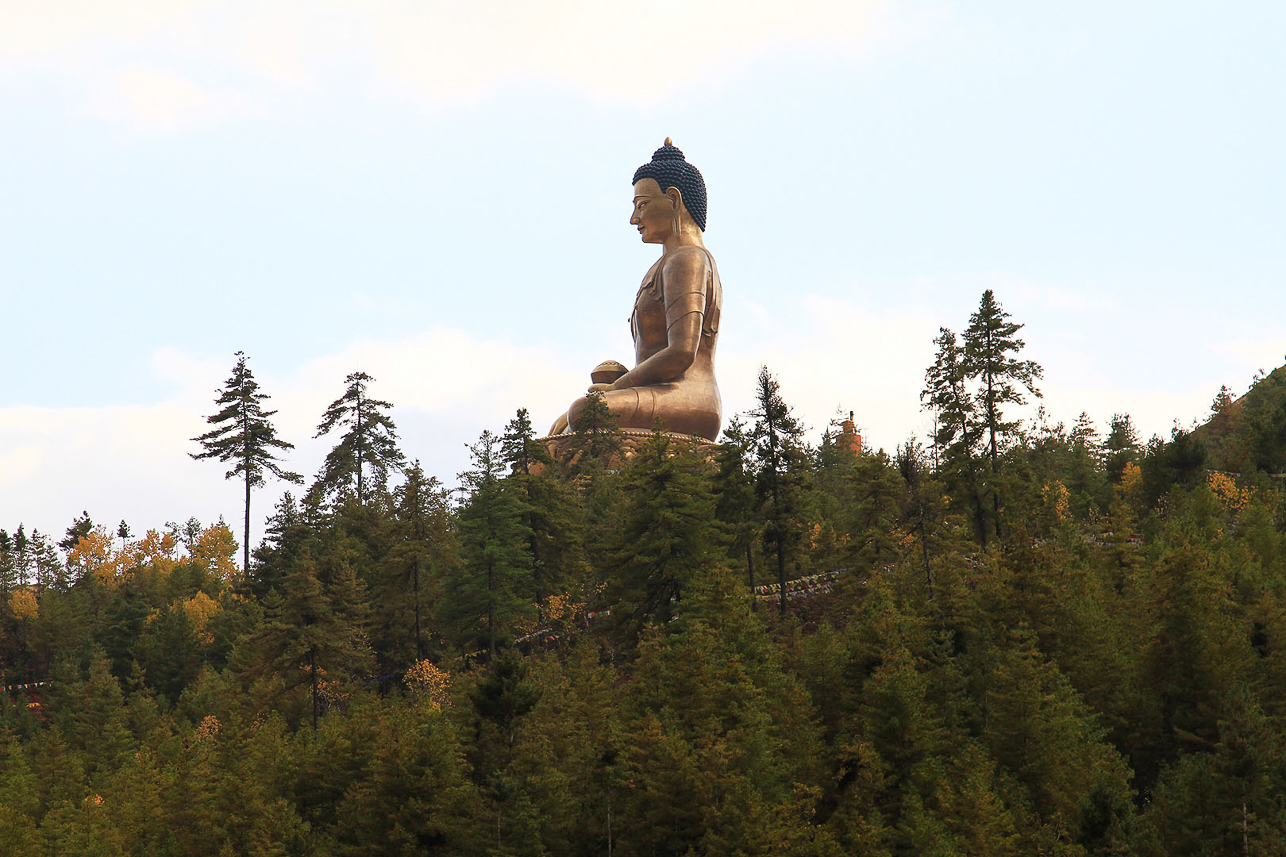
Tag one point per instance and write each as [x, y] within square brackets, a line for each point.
[654, 211]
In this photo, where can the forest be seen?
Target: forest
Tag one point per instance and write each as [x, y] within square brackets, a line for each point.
[1013, 637]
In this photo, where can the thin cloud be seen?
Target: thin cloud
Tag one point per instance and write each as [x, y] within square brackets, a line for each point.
[181, 65]
[146, 98]
[133, 462]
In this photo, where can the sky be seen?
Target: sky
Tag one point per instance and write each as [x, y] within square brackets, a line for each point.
[438, 193]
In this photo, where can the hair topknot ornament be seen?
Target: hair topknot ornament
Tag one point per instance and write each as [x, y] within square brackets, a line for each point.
[670, 169]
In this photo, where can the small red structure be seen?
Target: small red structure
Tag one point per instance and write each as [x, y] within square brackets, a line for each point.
[848, 437]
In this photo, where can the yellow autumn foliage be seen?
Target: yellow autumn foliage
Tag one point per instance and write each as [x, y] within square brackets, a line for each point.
[208, 728]
[1131, 477]
[1223, 486]
[559, 607]
[95, 556]
[427, 679]
[99, 555]
[1056, 498]
[199, 608]
[24, 605]
[154, 551]
[216, 549]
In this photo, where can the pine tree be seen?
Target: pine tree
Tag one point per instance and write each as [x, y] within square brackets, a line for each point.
[369, 441]
[411, 793]
[46, 566]
[780, 464]
[957, 429]
[425, 548]
[80, 527]
[502, 699]
[285, 537]
[734, 491]
[24, 557]
[303, 639]
[488, 593]
[244, 434]
[990, 346]
[8, 565]
[1120, 448]
[921, 502]
[548, 511]
[875, 510]
[666, 534]
[596, 437]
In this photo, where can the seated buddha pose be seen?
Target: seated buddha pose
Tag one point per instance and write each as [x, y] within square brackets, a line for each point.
[675, 322]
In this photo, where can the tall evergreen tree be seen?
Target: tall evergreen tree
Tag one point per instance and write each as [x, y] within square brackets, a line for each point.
[874, 511]
[555, 539]
[990, 358]
[666, 534]
[22, 557]
[780, 463]
[921, 501]
[734, 490]
[426, 547]
[596, 438]
[487, 594]
[1121, 447]
[957, 429]
[244, 434]
[80, 527]
[990, 349]
[8, 565]
[47, 568]
[369, 441]
[303, 639]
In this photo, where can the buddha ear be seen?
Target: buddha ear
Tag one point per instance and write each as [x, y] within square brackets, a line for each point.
[676, 197]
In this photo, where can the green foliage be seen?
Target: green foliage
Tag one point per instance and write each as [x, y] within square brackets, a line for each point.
[548, 513]
[990, 346]
[967, 388]
[488, 593]
[780, 467]
[409, 581]
[368, 442]
[242, 433]
[958, 428]
[596, 437]
[401, 674]
[663, 536]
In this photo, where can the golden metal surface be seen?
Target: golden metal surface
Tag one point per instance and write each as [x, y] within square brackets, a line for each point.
[675, 325]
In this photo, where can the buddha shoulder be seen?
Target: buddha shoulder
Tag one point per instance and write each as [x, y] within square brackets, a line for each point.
[686, 264]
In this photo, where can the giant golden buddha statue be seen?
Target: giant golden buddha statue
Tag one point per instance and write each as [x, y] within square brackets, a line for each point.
[675, 322]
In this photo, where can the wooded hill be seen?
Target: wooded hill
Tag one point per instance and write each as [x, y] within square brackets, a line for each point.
[1020, 639]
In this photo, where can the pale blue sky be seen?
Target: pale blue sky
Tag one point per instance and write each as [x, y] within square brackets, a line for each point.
[438, 193]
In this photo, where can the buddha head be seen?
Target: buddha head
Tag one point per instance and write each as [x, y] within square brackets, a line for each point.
[670, 187]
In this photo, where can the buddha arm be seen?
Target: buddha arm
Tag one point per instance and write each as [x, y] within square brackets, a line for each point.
[684, 275]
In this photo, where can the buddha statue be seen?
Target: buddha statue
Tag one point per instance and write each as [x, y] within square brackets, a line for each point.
[675, 322]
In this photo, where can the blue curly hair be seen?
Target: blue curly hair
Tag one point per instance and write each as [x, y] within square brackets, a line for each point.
[670, 170]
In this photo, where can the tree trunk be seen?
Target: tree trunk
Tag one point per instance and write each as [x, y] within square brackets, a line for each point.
[491, 604]
[419, 640]
[781, 572]
[358, 434]
[980, 519]
[245, 565]
[312, 671]
[995, 508]
[924, 547]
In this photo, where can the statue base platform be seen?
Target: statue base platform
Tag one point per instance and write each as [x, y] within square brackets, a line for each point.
[562, 450]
